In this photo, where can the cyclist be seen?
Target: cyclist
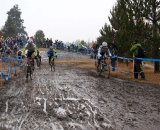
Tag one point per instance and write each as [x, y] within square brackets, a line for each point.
[31, 50]
[38, 58]
[51, 53]
[101, 51]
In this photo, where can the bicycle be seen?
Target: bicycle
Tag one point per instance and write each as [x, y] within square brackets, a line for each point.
[104, 67]
[38, 61]
[29, 68]
[52, 63]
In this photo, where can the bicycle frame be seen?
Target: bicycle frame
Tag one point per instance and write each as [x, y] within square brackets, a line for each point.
[104, 67]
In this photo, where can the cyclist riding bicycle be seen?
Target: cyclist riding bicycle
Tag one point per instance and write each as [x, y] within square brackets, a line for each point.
[51, 53]
[31, 50]
[103, 49]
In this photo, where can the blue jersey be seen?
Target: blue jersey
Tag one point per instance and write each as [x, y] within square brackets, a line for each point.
[51, 52]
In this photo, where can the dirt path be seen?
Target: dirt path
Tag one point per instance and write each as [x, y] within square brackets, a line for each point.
[76, 99]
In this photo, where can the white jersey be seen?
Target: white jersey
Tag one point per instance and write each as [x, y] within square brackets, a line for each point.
[99, 52]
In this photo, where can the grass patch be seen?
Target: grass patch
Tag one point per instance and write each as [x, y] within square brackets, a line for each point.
[124, 71]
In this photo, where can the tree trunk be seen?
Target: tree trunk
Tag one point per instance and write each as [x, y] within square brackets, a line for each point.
[156, 55]
[156, 47]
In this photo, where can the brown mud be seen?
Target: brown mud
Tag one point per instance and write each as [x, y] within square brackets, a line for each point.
[77, 99]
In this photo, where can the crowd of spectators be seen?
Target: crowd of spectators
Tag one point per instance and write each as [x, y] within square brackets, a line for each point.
[57, 44]
[48, 42]
[11, 45]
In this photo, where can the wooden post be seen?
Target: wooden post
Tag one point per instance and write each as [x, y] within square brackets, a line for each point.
[133, 67]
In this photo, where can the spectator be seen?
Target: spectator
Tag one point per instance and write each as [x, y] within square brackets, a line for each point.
[137, 52]
[114, 51]
[50, 42]
[47, 43]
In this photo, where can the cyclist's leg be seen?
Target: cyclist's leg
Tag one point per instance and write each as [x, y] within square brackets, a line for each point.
[53, 61]
[40, 59]
[31, 60]
[28, 69]
[49, 59]
[33, 64]
[36, 58]
[99, 58]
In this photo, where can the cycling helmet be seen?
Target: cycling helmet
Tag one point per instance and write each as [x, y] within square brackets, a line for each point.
[30, 41]
[104, 44]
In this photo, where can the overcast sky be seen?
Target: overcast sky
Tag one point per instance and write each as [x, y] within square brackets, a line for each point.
[66, 20]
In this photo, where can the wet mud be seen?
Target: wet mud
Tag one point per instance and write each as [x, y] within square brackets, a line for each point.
[71, 98]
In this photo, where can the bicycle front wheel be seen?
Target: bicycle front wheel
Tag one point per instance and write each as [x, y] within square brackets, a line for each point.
[106, 71]
[38, 62]
[52, 64]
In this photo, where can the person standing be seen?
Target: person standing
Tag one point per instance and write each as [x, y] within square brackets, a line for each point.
[50, 42]
[137, 52]
[114, 51]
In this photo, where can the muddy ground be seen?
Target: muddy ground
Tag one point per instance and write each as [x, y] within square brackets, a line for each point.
[77, 99]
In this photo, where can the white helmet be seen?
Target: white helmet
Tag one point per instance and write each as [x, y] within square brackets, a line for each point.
[30, 41]
[104, 44]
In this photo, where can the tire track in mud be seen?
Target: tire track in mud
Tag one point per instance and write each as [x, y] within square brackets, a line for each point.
[48, 102]
[76, 99]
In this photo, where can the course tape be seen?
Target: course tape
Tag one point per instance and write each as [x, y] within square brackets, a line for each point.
[62, 55]
[18, 58]
[69, 55]
[7, 76]
[142, 59]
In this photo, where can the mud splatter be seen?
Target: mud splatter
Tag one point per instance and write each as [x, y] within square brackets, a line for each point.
[76, 99]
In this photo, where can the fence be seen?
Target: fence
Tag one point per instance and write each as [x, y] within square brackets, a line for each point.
[9, 67]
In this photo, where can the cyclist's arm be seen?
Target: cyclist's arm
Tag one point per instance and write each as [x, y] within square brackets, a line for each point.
[48, 51]
[99, 52]
[35, 52]
[24, 52]
[109, 53]
[54, 53]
